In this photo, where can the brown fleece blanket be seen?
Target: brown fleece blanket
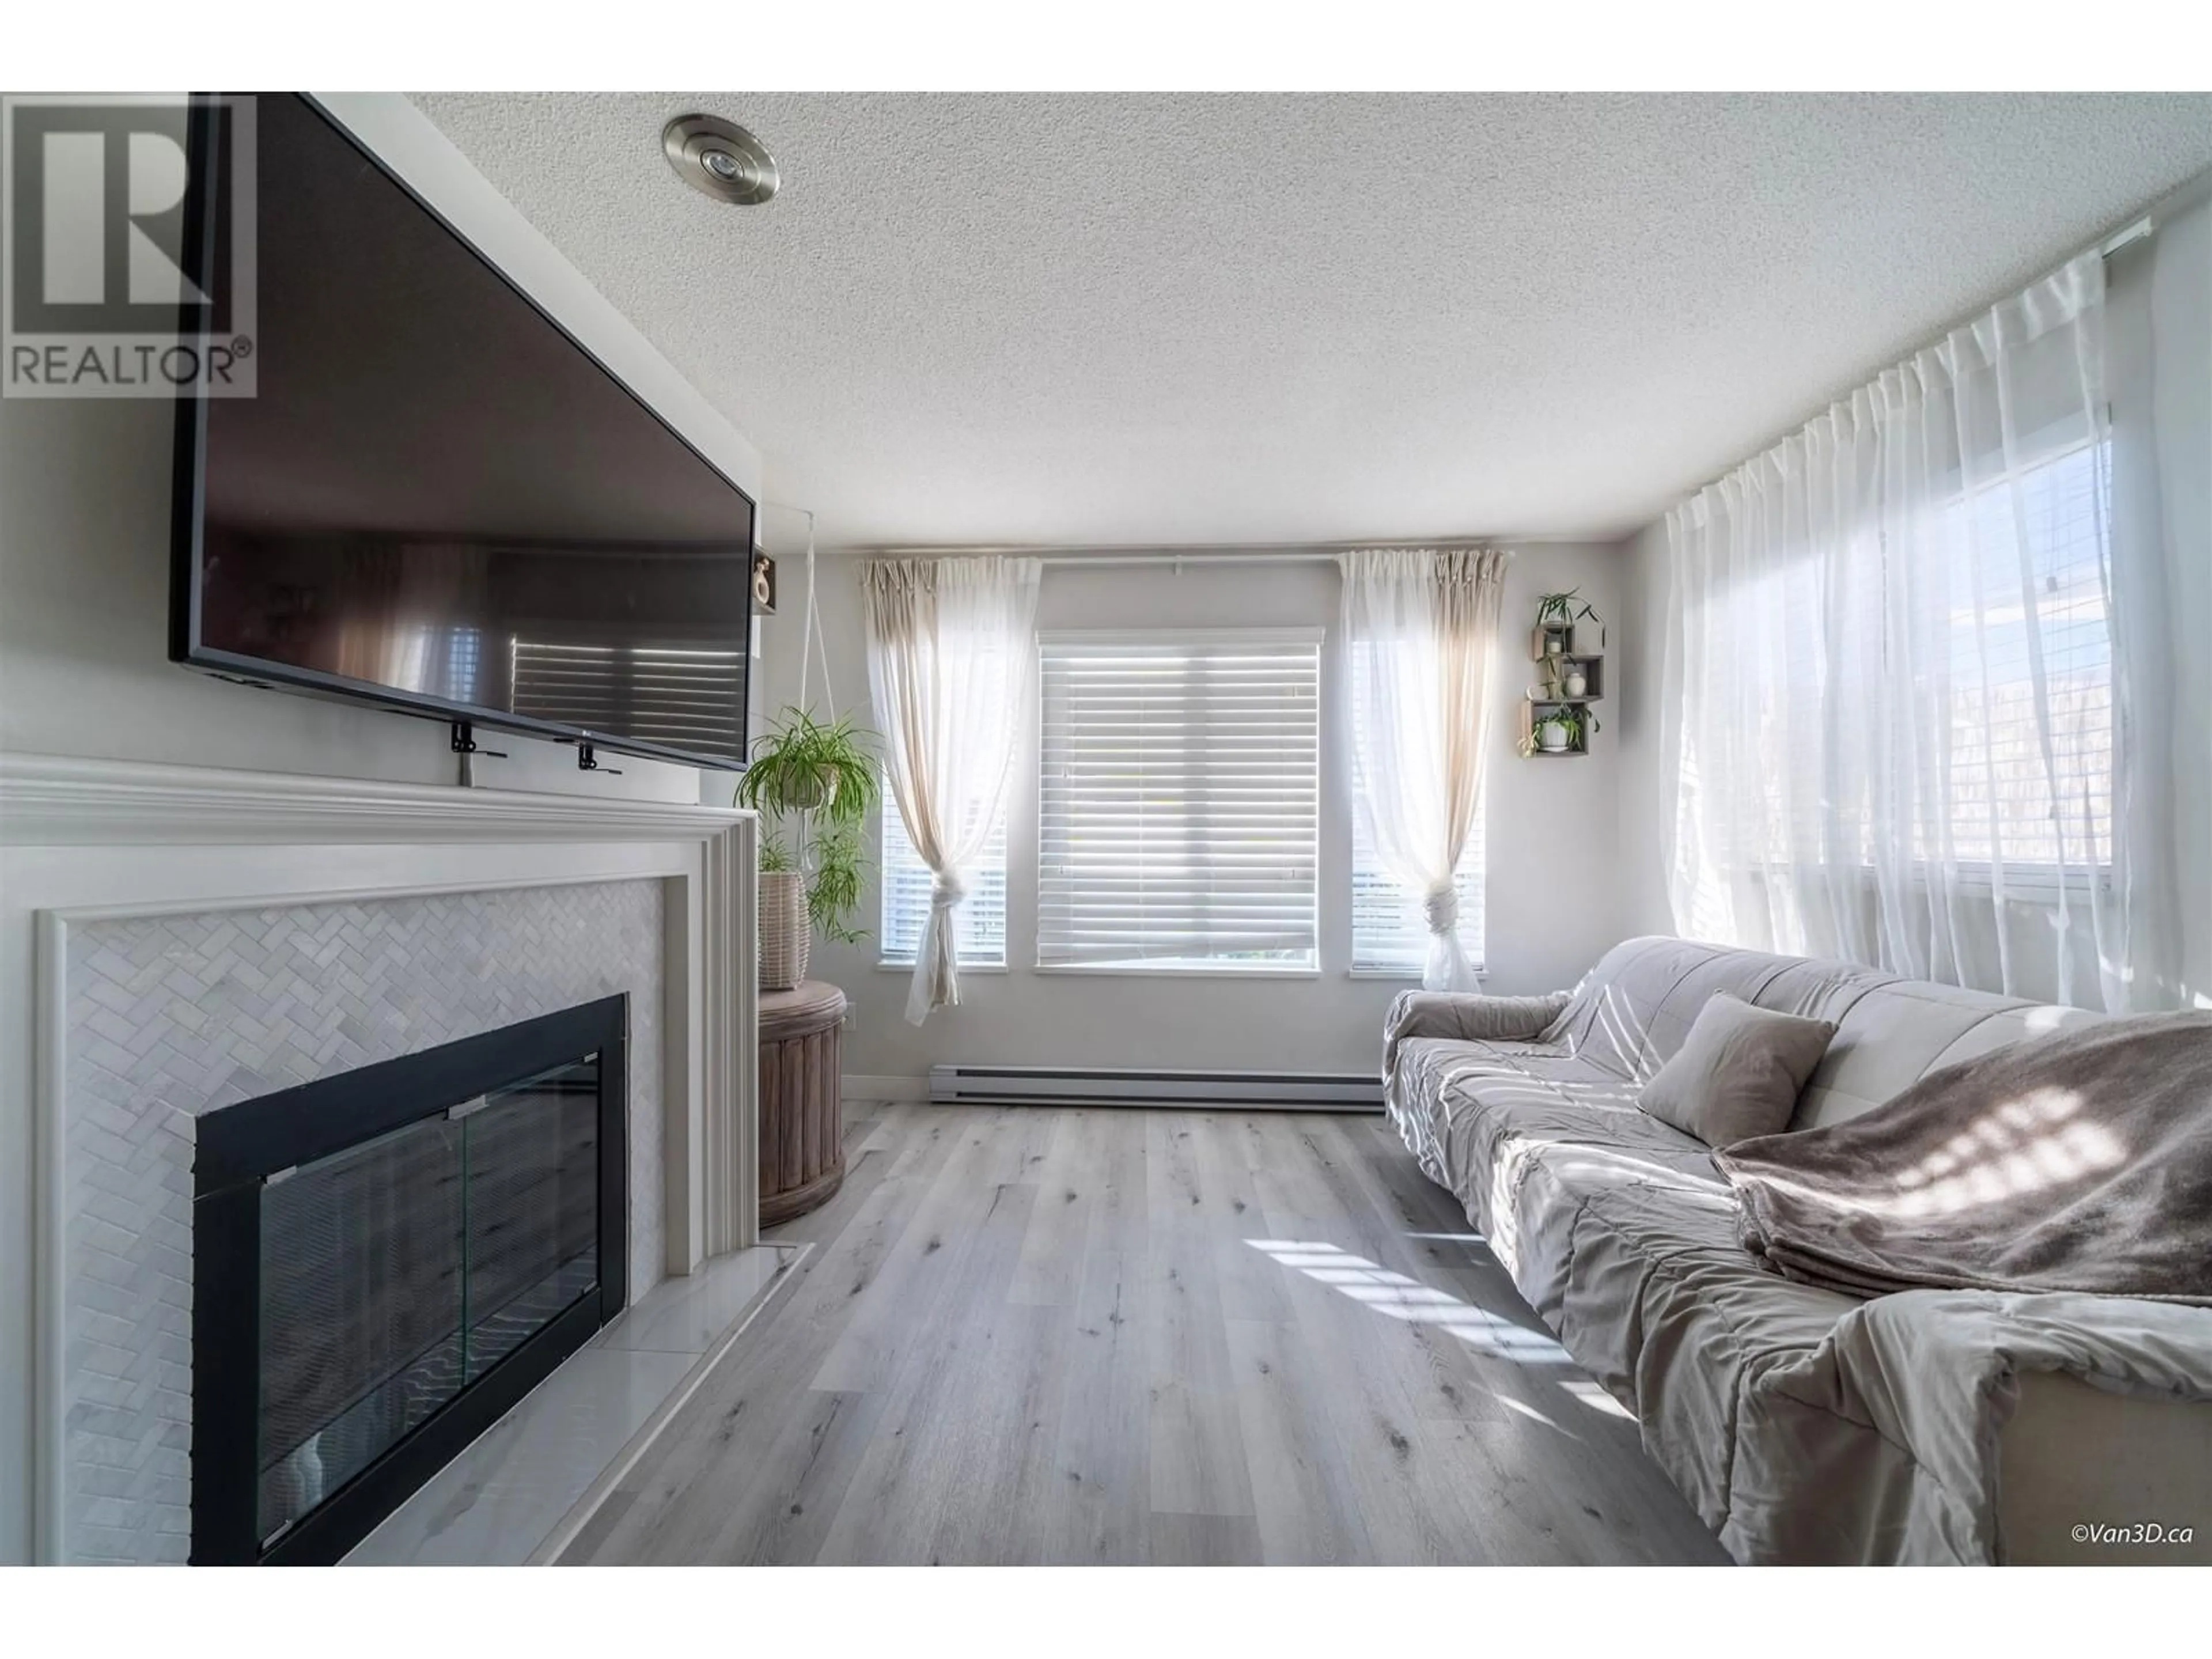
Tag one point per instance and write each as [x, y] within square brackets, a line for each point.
[2078, 1162]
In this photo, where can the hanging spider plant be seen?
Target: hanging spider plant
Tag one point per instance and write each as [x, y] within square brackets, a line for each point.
[815, 783]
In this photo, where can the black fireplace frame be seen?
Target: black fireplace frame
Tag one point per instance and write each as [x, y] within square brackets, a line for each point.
[239, 1148]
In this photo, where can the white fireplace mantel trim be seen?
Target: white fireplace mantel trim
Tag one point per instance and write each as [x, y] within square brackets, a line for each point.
[56, 800]
[85, 840]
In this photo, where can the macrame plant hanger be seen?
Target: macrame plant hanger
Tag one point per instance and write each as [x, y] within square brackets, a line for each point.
[809, 628]
[810, 631]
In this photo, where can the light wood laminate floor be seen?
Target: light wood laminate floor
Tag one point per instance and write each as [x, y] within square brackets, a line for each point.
[1081, 1334]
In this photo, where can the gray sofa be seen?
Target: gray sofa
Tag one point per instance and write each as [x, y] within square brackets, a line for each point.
[1802, 1425]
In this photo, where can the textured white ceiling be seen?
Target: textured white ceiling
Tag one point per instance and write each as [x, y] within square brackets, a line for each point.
[1192, 319]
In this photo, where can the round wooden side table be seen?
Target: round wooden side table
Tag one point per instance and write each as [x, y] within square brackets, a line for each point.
[802, 1132]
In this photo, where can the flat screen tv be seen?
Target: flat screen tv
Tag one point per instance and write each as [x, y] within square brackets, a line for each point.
[438, 500]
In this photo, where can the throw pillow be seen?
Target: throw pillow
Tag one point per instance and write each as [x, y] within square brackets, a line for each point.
[1738, 1072]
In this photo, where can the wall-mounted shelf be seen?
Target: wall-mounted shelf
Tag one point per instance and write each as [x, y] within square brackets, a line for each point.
[1549, 694]
[1532, 709]
[1590, 665]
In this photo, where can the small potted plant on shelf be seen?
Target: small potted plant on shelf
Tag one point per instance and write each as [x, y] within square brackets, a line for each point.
[1562, 730]
[1556, 614]
[813, 784]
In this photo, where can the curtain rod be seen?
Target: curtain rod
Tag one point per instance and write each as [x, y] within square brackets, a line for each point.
[1099, 558]
[1108, 561]
[1166, 556]
[2120, 239]
[1106, 558]
[2143, 226]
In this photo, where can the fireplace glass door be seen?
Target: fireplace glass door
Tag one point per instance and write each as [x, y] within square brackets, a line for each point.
[397, 1272]
[386, 1262]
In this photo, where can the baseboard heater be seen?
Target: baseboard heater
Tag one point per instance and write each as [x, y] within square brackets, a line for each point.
[1096, 1085]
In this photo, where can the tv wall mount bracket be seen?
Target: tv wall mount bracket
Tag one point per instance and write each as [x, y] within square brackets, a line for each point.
[465, 742]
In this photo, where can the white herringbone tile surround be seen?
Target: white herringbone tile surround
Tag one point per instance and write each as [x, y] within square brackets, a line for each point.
[172, 1017]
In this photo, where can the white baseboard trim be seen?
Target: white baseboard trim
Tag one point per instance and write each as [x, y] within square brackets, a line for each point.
[862, 1087]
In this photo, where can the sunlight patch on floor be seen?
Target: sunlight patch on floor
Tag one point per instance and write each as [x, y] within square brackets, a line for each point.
[1396, 1296]
[1529, 1410]
[1593, 1396]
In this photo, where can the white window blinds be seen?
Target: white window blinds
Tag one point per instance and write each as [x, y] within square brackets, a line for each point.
[980, 922]
[1178, 801]
[1388, 934]
[2019, 631]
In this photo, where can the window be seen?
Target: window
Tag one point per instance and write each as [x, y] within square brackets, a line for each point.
[1940, 693]
[1893, 684]
[2025, 577]
[979, 921]
[1389, 935]
[1179, 800]
[1987, 584]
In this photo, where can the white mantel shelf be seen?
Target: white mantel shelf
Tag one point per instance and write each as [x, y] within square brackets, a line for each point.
[85, 840]
[55, 800]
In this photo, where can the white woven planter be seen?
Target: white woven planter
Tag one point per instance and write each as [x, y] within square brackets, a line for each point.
[785, 933]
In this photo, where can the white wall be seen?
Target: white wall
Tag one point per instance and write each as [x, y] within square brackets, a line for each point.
[1551, 825]
[2180, 301]
[84, 550]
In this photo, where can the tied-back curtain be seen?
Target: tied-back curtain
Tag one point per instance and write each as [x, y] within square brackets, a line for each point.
[1894, 719]
[1420, 630]
[951, 666]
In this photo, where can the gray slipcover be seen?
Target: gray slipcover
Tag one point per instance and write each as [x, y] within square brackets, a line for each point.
[1804, 1425]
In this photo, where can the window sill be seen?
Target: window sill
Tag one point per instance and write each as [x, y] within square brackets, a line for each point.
[1409, 975]
[1239, 970]
[1402, 975]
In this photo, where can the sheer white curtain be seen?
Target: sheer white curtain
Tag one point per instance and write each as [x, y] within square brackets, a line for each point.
[953, 668]
[1895, 721]
[1420, 631]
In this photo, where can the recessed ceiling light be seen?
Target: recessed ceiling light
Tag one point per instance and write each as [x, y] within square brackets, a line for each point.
[719, 158]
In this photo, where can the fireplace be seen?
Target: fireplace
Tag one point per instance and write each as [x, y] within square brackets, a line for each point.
[384, 1261]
